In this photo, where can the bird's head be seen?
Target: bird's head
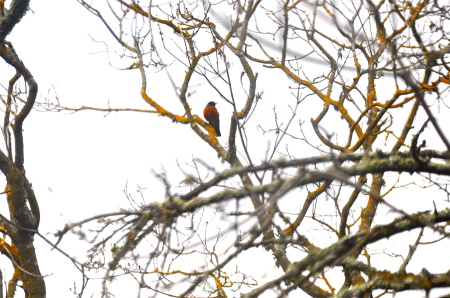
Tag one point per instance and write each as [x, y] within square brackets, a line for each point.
[211, 103]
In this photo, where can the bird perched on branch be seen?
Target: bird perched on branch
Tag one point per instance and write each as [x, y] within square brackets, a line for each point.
[212, 116]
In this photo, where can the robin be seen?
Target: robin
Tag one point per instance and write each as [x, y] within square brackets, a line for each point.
[212, 116]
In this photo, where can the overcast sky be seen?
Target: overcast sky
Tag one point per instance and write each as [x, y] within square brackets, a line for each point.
[80, 163]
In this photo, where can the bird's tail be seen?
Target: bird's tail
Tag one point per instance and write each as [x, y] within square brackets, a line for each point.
[217, 128]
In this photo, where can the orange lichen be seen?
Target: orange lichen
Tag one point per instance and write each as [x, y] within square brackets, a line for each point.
[371, 97]
[163, 112]
[444, 80]
[428, 87]
[11, 249]
[290, 229]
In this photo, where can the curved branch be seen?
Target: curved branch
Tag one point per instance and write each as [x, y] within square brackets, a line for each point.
[8, 53]
[336, 253]
[13, 16]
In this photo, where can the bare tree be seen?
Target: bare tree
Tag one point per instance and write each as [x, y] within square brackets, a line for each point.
[344, 93]
[19, 228]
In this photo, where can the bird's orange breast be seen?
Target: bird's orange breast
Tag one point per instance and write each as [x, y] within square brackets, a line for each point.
[211, 114]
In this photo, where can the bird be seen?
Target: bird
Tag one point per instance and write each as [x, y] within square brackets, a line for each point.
[212, 116]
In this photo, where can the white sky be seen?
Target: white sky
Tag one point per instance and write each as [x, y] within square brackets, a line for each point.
[79, 164]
